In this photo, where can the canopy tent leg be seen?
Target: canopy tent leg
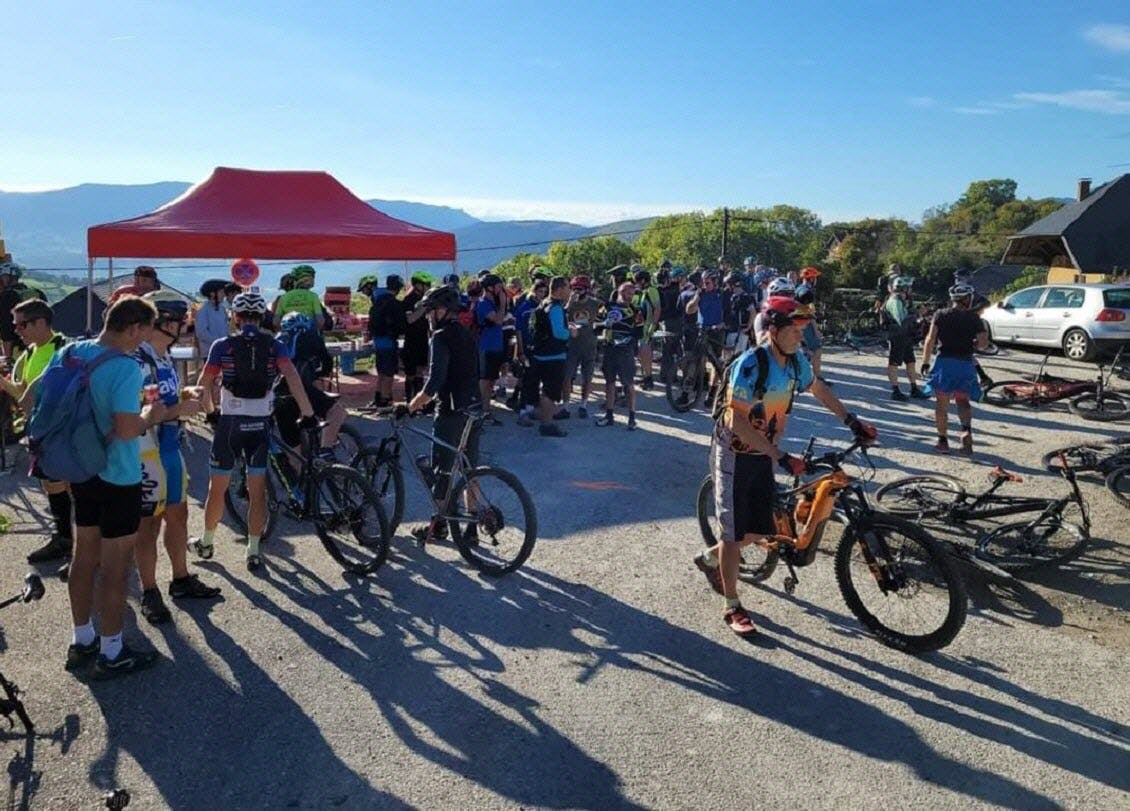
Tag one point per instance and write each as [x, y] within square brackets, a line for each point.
[90, 295]
[110, 278]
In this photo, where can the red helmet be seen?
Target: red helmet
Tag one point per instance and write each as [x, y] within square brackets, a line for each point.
[809, 273]
[580, 283]
[782, 311]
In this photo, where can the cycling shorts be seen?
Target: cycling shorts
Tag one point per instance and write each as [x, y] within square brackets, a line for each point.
[744, 492]
[580, 357]
[240, 438]
[114, 508]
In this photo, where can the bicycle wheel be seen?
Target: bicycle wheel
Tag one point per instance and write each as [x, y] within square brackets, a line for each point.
[920, 495]
[350, 442]
[1118, 483]
[1101, 456]
[1008, 393]
[685, 386]
[349, 519]
[387, 480]
[866, 323]
[1111, 407]
[756, 563]
[900, 584]
[990, 349]
[235, 500]
[1023, 546]
[492, 520]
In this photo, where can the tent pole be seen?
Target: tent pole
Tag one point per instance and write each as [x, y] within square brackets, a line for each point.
[110, 278]
[89, 295]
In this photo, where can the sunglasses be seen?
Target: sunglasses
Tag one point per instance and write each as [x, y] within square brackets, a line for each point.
[24, 323]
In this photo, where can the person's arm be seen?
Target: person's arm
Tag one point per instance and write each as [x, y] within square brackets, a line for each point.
[297, 390]
[928, 346]
[982, 339]
[124, 393]
[830, 401]
[692, 305]
[748, 435]
[415, 314]
[440, 360]
[495, 316]
[558, 324]
[13, 389]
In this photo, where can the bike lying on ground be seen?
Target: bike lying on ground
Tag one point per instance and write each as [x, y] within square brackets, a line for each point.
[892, 575]
[347, 515]
[1015, 547]
[1089, 399]
[485, 509]
[11, 703]
[1110, 459]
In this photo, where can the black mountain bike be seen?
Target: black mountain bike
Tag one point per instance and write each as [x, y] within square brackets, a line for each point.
[485, 509]
[698, 371]
[1014, 547]
[347, 515]
[11, 704]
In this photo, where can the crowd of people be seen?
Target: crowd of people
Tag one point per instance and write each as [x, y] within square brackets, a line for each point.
[454, 342]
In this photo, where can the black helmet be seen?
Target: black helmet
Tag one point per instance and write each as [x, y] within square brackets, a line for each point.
[619, 273]
[695, 277]
[490, 280]
[663, 276]
[666, 263]
[642, 277]
[213, 286]
[394, 282]
[443, 297]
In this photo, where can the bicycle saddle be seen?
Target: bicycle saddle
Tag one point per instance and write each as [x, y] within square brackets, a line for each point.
[998, 473]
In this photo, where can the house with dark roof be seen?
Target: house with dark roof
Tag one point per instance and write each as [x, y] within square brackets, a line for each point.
[1084, 241]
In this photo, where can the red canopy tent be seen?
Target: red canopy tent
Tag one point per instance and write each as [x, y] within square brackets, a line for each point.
[266, 215]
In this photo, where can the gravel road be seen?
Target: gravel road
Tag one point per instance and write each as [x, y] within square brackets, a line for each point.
[600, 675]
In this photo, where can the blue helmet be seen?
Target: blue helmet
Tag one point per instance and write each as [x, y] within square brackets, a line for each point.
[294, 321]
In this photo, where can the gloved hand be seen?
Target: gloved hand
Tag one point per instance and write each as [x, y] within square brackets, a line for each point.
[793, 465]
[863, 431]
[308, 423]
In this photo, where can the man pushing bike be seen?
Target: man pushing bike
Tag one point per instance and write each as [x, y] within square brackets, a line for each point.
[753, 413]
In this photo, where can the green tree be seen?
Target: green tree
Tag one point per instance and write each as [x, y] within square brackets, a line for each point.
[592, 257]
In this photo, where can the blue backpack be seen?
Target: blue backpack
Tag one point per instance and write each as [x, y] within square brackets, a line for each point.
[63, 436]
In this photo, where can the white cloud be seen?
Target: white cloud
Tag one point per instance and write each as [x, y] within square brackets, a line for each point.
[1111, 102]
[1111, 37]
[922, 101]
[978, 110]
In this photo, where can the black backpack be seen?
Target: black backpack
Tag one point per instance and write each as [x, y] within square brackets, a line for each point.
[541, 330]
[251, 355]
[761, 354]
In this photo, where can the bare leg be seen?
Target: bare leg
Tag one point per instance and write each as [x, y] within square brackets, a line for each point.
[145, 551]
[117, 557]
[911, 375]
[256, 503]
[941, 413]
[214, 503]
[645, 359]
[893, 376]
[965, 412]
[84, 566]
[176, 538]
[335, 418]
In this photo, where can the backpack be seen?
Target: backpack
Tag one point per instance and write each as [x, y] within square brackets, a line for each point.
[307, 349]
[63, 437]
[761, 354]
[251, 355]
[382, 323]
[541, 330]
[668, 303]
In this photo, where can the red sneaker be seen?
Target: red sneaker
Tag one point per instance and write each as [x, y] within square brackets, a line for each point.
[713, 573]
[739, 621]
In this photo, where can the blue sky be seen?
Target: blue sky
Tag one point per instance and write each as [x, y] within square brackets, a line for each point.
[581, 111]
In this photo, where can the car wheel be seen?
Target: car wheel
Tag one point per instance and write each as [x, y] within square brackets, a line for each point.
[1077, 345]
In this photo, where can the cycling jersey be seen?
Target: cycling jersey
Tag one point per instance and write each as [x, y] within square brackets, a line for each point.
[710, 308]
[32, 361]
[300, 300]
[767, 411]
[222, 362]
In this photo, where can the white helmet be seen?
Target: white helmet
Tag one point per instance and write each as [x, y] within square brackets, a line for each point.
[781, 287]
[249, 302]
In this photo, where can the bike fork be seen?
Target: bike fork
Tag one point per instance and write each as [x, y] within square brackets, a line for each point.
[791, 580]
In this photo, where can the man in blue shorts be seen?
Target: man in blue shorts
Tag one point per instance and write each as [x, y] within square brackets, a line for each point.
[758, 398]
[956, 331]
[247, 365]
[386, 325]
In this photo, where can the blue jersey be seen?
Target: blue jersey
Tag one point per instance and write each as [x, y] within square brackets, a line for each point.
[709, 308]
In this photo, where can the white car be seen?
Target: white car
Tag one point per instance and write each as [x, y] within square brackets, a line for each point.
[1080, 319]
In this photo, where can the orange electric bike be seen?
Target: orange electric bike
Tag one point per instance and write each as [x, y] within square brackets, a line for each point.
[893, 576]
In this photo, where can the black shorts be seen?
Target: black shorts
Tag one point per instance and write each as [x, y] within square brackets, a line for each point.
[619, 363]
[744, 492]
[490, 363]
[114, 508]
[550, 375]
[901, 350]
[387, 362]
[449, 428]
[238, 437]
[287, 413]
[414, 355]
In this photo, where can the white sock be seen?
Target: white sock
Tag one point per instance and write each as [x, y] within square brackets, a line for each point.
[252, 545]
[112, 645]
[84, 634]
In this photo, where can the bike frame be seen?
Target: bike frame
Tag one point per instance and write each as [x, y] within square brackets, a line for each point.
[966, 511]
[392, 446]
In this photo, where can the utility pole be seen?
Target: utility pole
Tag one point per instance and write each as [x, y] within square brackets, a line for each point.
[725, 229]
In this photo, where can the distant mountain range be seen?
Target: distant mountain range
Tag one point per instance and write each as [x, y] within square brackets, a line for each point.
[47, 230]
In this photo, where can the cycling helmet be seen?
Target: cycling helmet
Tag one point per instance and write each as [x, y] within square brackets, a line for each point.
[169, 305]
[539, 274]
[809, 273]
[749, 261]
[393, 282]
[979, 303]
[619, 272]
[490, 280]
[451, 279]
[367, 281]
[663, 276]
[902, 283]
[303, 273]
[212, 286]
[422, 277]
[641, 276]
[782, 311]
[781, 287]
[295, 321]
[666, 263]
[962, 274]
[635, 268]
[961, 290]
[804, 293]
[440, 298]
[695, 278]
[712, 275]
[764, 276]
[580, 283]
[11, 269]
[679, 272]
[894, 269]
[249, 302]
[733, 277]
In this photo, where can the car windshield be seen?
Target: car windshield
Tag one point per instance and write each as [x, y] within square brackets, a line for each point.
[1119, 299]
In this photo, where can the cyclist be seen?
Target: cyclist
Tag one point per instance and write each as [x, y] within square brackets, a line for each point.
[744, 447]
[813, 340]
[549, 329]
[669, 316]
[647, 305]
[301, 298]
[737, 305]
[307, 350]
[386, 325]
[10, 296]
[956, 331]
[367, 284]
[31, 321]
[144, 281]
[749, 275]
[583, 310]
[490, 315]
[211, 319]
[164, 475]
[885, 285]
[527, 386]
[246, 365]
[619, 363]
[414, 355]
[706, 306]
[902, 333]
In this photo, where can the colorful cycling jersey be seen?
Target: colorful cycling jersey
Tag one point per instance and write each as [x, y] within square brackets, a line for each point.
[300, 300]
[161, 372]
[221, 362]
[32, 361]
[768, 413]
[620, 318]
[709, 308]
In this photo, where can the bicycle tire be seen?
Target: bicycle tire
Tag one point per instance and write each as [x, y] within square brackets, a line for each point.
[467, 529]
[996, 394]
[350, 442]
[1118, 483]
[757, 563]
[1081, 457]
[235, 502]
[679, 396]
[387, 480]
[1112, 408]
[867, 323]
[900, 588]
[349, 519]
[917, 495]
[1024, 551]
